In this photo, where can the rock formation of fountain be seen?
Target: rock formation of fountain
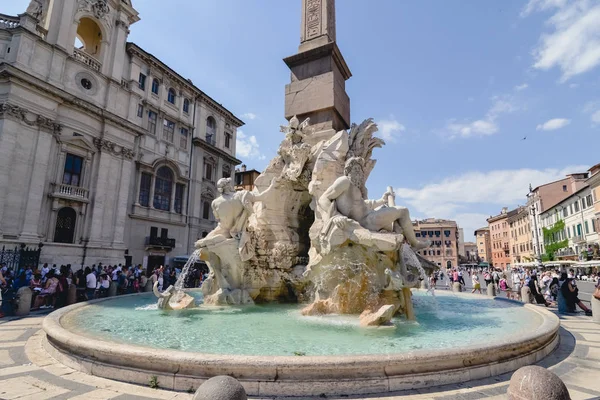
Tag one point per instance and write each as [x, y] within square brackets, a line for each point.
[309, 233]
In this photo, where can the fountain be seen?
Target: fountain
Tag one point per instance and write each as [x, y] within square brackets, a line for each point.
[311, 283]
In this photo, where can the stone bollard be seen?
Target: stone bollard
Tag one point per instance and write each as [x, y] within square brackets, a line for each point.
[595, 310]
[148, 287]
[526, 294]
[491, 290]
[112, 289]
[23, 301]
[221, 388]
[533, 382]
[72, 295]
[456, 287]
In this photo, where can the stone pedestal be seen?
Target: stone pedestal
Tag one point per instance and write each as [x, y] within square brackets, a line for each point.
[595, 310]
[526, 294]
[23, 301]
[72, 295]
[491, 290]
[112, 289]
[456, 287]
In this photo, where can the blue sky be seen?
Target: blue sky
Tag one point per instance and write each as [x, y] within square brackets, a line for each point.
[454, 86]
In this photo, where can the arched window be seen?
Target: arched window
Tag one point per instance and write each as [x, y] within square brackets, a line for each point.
[155, 86]
[211, 130]
[88, 37]
[171, 96]
[226, 171]
[163, 187]
[186, 106]
[65, 225]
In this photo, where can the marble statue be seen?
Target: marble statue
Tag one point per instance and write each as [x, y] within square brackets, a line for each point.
[293, 151]
[38, 9]
[170, 300]
[227, 247]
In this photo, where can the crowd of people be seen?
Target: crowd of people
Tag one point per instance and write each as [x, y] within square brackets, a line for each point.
[50, 284]
[544, 287]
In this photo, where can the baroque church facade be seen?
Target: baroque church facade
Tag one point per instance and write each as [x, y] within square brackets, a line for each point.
[106, 154]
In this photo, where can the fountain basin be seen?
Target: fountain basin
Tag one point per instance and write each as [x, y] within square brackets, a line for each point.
[334, 374]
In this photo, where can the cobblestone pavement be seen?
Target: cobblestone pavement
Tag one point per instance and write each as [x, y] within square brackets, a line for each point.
[28, 372]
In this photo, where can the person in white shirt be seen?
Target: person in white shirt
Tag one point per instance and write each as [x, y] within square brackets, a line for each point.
[90, 283]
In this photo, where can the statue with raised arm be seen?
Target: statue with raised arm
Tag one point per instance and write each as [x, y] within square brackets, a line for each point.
[345, 200]
[38, 9]
[227, 247]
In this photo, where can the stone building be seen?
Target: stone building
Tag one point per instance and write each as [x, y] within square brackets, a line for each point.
[105, 151]
[500, 238]
[244, 178]
[521, 244]
[471, 253]
[572, 221]
[484, 244]
[444, 237]
[543, 196]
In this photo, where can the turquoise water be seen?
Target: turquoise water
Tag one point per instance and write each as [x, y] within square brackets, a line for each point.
[444, 321]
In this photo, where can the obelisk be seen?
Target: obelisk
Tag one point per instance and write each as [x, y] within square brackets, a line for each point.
[319, 74]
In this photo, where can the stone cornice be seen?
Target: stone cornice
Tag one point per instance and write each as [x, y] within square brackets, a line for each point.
[21, 114]
[220, 153]
[113, 148]
[10, 72]
[154, 62]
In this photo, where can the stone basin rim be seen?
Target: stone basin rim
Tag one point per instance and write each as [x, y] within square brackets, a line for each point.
[102, 350]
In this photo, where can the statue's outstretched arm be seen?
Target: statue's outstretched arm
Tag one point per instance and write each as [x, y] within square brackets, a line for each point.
[261, 196]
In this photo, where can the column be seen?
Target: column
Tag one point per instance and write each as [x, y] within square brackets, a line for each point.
[152, 191]
[173, 190]
[121, 205]
[136, 192]
[101, 190]
[37, 183]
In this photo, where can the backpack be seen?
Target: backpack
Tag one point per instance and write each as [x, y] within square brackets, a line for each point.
[487, 276]
[503, 285]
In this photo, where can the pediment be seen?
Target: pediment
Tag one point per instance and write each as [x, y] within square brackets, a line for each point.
[79, 142]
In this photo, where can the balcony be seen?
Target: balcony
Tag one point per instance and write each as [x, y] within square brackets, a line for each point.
[70, 192]
[579, 239]
[88, 60]
[211, 139]
[157, 241]
[565, 253]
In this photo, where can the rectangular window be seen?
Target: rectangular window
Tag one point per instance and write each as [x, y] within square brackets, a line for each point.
[437, 233]
[145, 184]
[564, 188]
[72, 172]
[208, 171]
[142, 81]
[576, 206]
[227, 140]
[418, 234]
[179, 189]
[152, 122]
[593, 225]
[565, 212]
[183, 138]
[206, 209]
[590, 202]
[168, 130]
[587, 228]
[140, 111]
[578, 229]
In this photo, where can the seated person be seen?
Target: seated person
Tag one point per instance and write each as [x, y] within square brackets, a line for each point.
[46, 295]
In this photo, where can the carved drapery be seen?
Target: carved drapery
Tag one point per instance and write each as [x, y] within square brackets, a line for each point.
[113, 148]
[22, 115]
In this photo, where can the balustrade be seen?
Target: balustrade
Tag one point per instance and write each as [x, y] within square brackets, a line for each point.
[62, 190]
[9, 22]
[88, 60]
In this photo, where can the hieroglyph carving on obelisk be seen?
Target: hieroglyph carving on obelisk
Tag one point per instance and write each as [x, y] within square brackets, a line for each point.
[318, 19]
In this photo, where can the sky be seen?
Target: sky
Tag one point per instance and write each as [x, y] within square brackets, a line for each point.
[475, 99]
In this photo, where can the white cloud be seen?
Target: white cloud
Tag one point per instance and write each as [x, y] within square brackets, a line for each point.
[457, 197]
[553, 124]
[596, 117]
[484, 126]
[593, 109]
[248, 147]
[520, 87]
[250, 116]
[573, 45]
[390, 128]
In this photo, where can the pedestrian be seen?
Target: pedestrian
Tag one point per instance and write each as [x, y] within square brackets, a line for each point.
[476, 284]
[90, 283]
